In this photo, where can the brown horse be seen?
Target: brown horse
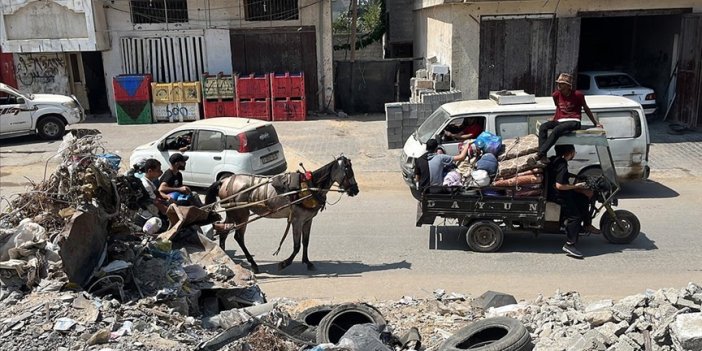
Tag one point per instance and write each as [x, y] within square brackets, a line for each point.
[241, 189]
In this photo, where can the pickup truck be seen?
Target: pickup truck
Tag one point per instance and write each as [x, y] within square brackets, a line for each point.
[44, 114]
[487, 217]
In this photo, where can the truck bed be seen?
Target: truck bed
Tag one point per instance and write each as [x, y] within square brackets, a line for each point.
[466, 205]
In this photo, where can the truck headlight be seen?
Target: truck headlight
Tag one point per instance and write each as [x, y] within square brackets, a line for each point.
[70, 104]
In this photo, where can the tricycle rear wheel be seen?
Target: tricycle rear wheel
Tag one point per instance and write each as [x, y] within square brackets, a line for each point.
[623, 233]
[484, 236]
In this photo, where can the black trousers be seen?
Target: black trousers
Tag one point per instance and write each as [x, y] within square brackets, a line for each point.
[546, 141]
[577, 214]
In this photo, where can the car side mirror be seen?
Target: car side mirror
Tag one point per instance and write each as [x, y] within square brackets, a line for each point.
[21, 101]
[161, 145]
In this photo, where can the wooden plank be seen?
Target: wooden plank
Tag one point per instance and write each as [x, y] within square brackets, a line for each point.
[517, 55]
[542, 56]
[492, 45]
[689, 86]
[567, 45]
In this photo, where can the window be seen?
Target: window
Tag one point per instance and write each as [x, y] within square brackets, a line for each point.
[271, 10]
[518, 125]
[208, 140]
[159, 11]
[618, 124]
[178, 140]
[615, 81]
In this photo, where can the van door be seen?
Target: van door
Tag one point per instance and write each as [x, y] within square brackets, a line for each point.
[627, 136]
[453, 145]
[15, 116]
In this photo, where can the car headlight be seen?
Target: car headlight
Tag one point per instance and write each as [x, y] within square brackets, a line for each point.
[70, 104]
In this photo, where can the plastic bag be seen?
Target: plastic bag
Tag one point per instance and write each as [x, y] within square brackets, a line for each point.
[492, 143]
[480, 177]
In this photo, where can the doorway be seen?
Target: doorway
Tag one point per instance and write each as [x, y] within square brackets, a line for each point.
[87, 81]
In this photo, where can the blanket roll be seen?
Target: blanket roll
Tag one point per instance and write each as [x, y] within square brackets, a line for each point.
[525, 145]
[509, 168]
[520, 180]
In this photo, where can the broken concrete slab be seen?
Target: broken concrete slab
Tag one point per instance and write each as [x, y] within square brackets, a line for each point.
[686, 331]
[83, 242]
[493, 299]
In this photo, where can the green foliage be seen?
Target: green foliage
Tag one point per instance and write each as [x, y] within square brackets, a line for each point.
[370, 24]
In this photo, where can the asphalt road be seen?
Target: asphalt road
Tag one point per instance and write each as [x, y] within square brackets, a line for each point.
[368, 246]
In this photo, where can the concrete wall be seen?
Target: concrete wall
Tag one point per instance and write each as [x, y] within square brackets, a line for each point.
[213, 19]
[52, 26]
[45, 73]
[401, 21]
[373, 51]
[459, 44]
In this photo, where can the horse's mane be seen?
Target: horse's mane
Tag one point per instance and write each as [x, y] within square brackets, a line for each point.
[322, 176]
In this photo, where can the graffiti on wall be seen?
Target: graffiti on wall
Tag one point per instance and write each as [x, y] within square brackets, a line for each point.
[42, 73]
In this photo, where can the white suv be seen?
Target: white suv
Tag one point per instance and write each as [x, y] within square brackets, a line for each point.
[219, 147]
[617, 83]
[43, 114]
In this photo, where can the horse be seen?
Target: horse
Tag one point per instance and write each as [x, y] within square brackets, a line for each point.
[259, 192]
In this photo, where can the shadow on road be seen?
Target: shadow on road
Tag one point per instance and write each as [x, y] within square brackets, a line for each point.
[646, 189]
[269, 269]
[454, 238]
[26, 140]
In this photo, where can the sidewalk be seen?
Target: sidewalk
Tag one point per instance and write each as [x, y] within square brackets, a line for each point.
[674, 155]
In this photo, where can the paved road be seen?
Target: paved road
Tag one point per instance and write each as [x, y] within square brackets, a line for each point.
[369, 247]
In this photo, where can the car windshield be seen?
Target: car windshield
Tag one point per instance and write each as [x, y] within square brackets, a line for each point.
[16, 92]
[615, 81]
[428, 129]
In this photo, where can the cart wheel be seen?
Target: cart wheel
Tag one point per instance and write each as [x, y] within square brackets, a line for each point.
[484, 236]
[623, 233]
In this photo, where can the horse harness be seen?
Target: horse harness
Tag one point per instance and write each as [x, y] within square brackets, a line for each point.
[298, 184]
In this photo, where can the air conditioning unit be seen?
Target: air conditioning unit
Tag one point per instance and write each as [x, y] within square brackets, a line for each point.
[512, 97]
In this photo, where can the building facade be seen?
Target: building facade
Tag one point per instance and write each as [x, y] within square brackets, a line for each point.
[59, 45]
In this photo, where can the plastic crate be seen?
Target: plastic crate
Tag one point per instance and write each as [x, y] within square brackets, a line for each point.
[161, 92]
[178, 112]
[132, 87]
[287, 85]
[256, 109]
[219, 108]
[253, 87]
[289, 110]
[133, 112]
[185, 92]
[218, 87]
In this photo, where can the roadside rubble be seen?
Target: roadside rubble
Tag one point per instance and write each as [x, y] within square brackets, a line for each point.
[77, 273]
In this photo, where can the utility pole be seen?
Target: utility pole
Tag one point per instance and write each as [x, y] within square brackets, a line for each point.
[354, 15]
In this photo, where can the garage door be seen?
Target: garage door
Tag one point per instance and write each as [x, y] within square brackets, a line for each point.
[517, 52]
[278, 50]
[689, 89]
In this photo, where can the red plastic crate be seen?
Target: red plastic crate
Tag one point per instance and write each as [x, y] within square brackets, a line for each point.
[253, 87]
[132, 87]
[287, 85]
[220, 108]
[256, 109]
[289, 110]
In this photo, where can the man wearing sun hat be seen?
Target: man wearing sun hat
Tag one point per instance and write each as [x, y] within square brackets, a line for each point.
[569, 106]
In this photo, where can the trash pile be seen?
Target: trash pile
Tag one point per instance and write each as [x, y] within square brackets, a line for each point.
[77, 273]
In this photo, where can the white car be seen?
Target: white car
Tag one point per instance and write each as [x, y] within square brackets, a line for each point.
[219, 147]
[617, 83]
[43, 114]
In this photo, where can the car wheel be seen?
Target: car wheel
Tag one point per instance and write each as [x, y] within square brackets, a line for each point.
[484, 236]
[591, 172]
[623, 233]
[491, 334]
[339, 320]
[51, 128]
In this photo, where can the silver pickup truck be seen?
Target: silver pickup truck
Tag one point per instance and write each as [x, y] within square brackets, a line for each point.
[43, 114]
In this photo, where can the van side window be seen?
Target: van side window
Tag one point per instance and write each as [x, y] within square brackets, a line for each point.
[618, 124]
[512, 126]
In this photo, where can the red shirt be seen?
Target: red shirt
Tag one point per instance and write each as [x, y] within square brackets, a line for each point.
[568, 107]
[474, 130]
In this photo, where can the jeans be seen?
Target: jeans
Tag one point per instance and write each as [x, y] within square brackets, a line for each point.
[546, 141]
[577, 214]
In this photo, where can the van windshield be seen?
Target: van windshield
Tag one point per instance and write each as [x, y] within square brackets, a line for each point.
[435, 121]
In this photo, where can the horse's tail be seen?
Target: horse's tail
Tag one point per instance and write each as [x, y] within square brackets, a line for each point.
[212, 192]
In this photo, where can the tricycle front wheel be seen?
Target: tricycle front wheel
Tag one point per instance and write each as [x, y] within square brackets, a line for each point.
[484, 236]
[622, 231]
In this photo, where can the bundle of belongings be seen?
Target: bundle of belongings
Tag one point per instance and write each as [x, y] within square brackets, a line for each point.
[510, 169]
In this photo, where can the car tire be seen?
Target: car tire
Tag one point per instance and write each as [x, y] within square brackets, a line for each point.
[484, 236]
[51, 128]
[314, 315]
[620, 235]
[339, 320]
[591, 172]
[491, 334]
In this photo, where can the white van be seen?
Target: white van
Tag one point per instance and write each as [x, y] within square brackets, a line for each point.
[623, 119]
[43, 114]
